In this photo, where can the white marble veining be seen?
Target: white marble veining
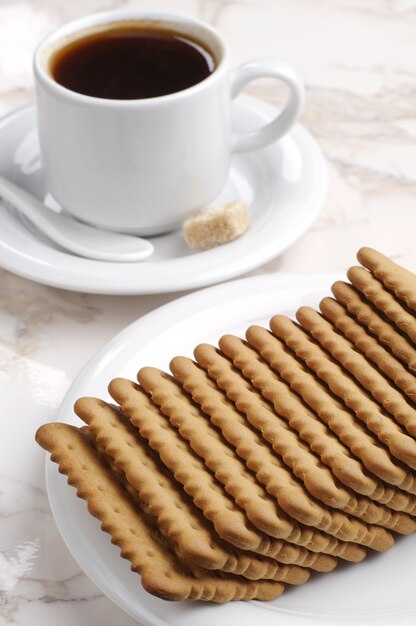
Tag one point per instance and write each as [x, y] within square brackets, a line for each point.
[358, 60]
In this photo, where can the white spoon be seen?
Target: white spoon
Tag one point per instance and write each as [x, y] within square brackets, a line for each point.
[74, 236]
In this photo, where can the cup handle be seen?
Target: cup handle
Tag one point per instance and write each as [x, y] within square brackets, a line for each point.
[267, 68]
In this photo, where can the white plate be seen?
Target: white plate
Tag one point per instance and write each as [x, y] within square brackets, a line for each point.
[284, 186]
[381, 590]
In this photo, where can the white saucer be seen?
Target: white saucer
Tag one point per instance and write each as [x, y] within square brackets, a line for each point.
[284, 186]
[379, 591]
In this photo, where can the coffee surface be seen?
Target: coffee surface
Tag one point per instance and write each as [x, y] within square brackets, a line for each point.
[131, 62]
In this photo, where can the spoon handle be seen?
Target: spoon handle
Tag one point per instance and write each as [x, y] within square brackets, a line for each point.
[72, 235]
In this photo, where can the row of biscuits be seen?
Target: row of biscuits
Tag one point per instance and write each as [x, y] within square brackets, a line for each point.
[265, 459]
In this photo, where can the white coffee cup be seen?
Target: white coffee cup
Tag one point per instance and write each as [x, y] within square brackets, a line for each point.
[142, 166]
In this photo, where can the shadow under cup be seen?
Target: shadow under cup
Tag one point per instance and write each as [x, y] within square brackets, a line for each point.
[140, 154]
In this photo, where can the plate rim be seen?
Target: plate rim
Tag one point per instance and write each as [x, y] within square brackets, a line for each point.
[12, 261]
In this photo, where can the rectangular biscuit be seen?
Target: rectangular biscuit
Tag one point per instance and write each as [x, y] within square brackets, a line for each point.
[369, 347]
[236, 427]
[363, 444]
[161, 498]
[287, 404]
[229, 521]
[246, 564]
[393, 276]
[162, 574]
[341, 349]
[260, 508]
[248, 492]
[374, 291]
[261, 415]
[242, 402]
[370, 318]
[400, 444]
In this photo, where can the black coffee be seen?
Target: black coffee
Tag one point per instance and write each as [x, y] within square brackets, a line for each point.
[131, 62]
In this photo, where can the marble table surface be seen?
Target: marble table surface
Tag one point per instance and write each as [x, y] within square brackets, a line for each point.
[358, 60]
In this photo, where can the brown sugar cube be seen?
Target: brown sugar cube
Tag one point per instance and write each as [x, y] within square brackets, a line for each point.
[216, 226]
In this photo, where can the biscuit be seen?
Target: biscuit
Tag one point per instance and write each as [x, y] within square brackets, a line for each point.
[287, 405]
[383, 300]
[260, 508]
[246, 564]
[369, 347]
[393, 276]
[363, 372]
[162, 573]
[368, 317]
[362, 443]
[260, 458]
[160, 498]
[249, 494]
[229, 520]
[249, 446]
[401, 445]
[219, 457]
[243, 563]
[332, 452]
